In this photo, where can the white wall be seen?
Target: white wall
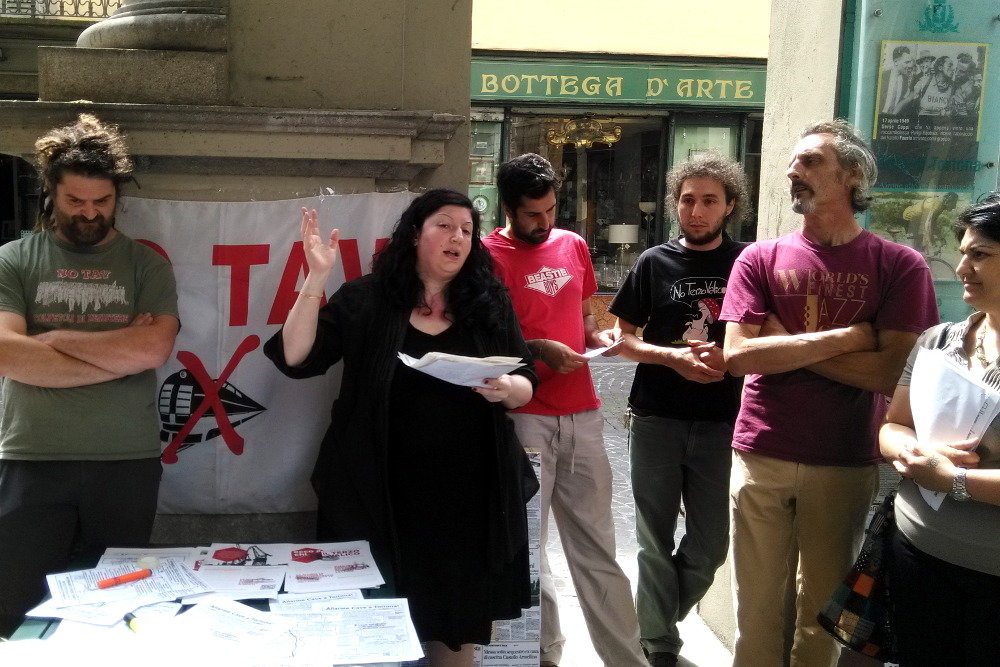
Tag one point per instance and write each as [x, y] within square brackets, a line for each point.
[720, 28]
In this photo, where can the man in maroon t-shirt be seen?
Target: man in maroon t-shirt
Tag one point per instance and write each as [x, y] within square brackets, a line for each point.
[551, 280]
[821, 322]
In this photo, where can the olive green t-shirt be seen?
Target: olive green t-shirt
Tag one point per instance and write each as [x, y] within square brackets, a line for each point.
[55, 285]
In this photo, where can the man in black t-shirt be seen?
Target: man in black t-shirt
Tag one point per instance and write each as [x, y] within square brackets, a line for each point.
[682, 403]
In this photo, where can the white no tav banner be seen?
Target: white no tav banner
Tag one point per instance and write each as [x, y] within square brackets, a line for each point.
[237, 436]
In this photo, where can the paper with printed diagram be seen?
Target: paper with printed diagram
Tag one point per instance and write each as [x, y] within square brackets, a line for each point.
[465, 371]
[311, 567]
[354, 632]
[948, 405]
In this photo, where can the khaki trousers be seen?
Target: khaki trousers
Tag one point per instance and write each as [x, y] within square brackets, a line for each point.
[576, 484]
[796, 530]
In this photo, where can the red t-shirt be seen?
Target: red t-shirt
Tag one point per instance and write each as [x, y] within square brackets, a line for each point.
[548, 283]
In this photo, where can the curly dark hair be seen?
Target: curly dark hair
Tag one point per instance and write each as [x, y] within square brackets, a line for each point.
[727, 172]
[88, 148]
[529, 175]
[983, 217]
[471, 296]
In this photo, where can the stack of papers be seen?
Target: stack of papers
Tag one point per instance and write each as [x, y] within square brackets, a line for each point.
[327, 622]
[465, 371]
[949, 405]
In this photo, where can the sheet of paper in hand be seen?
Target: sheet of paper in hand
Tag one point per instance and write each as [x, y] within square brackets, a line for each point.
[465, 371]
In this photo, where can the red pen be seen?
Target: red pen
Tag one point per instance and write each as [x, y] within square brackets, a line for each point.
[124, 578]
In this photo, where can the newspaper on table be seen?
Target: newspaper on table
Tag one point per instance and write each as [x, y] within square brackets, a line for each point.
[460, 370]
[948, 404]
[311, 568]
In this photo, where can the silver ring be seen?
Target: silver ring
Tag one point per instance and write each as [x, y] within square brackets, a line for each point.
[933, 461]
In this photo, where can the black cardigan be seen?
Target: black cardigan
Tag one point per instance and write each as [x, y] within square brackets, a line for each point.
[361, 328]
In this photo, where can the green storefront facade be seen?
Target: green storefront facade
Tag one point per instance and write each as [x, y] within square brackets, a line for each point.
[613, 128]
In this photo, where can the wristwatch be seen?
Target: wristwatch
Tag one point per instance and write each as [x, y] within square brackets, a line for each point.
[958, 490]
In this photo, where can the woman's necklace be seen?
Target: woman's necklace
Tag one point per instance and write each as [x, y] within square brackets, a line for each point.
[980, 352]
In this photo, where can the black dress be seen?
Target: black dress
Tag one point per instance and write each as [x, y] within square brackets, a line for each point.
[362, 330]
[440, 462]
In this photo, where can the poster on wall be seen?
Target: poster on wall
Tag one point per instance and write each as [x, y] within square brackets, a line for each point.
[923, 219]
[928, 114]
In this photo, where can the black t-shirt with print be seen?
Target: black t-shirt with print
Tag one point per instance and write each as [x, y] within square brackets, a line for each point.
[675, 294]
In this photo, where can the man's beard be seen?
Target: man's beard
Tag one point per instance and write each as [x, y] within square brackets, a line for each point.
[80, 231]
[536, 237]
[705, 238]
[803, 206]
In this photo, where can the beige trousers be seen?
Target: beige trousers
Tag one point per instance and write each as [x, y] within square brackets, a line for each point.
[576, 484]
[796, 530]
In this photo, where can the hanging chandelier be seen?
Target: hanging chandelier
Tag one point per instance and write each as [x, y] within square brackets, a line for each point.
[582, 133]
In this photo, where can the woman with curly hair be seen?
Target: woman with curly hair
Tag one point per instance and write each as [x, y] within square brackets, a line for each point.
[429, 472]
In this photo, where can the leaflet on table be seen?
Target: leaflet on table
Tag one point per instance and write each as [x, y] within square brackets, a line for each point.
[351, 632]
[99, 613]
[465, 371]
[305, 601]
[311, 567]
[242, 583]
[948, 405]
[169, 581]
[590, 354]
[145, 615]
[188, 556]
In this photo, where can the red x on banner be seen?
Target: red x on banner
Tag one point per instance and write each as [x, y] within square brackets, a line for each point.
[211, 388]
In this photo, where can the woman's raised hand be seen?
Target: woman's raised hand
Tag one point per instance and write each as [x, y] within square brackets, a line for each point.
[321, 256]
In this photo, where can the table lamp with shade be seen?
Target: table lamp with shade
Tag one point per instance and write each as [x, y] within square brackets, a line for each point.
[624, 236]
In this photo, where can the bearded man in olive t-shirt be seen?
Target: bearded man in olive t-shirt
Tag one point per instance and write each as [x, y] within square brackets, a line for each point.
[86, 314]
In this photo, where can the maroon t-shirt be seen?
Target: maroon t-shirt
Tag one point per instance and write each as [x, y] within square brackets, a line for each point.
[799, 415]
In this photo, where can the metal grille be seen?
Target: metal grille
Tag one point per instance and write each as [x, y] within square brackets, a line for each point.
[90, 9]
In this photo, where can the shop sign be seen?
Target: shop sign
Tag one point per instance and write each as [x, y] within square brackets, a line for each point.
[616, 83]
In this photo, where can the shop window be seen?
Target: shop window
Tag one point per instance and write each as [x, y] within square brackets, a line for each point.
[19, 198]
[610, 173]
[484, 158]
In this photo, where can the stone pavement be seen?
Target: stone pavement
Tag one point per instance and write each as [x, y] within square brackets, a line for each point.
[613, 379]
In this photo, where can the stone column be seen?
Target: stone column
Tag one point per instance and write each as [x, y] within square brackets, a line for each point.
[168, 25]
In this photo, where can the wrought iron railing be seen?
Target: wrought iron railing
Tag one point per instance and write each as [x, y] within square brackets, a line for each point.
[86, 9]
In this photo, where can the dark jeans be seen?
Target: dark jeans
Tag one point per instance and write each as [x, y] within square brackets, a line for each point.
[53, 511]
[943, 614]
[674, 460]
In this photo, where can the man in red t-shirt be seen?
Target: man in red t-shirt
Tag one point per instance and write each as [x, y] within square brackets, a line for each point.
[551, 280]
